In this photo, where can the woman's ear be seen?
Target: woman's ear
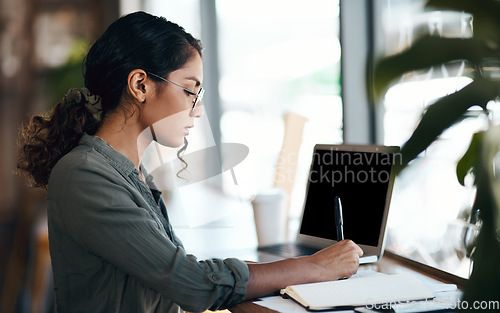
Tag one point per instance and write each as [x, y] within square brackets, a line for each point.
[138, 85]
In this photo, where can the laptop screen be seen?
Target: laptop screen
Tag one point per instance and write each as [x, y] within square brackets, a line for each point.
[361, 179]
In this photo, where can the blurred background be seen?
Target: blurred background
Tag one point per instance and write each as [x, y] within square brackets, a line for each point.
[265, 61]
[41, 47]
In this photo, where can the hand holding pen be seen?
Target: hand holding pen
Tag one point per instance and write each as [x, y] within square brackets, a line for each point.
[341, 260]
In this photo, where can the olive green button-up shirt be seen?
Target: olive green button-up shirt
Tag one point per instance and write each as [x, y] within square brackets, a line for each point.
[113, 248]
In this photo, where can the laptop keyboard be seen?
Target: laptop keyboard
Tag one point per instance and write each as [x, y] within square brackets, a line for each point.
[288, 250]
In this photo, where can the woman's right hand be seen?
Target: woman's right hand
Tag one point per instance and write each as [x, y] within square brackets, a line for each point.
[340, 260]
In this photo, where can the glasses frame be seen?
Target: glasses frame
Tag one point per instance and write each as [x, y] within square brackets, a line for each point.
[198, 95]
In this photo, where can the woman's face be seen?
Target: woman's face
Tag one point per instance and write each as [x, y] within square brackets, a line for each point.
[169, 112]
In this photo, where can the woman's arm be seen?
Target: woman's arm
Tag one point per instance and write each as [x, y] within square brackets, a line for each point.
[338, 261]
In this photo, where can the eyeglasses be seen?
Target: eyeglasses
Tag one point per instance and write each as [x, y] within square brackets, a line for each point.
[198, 96]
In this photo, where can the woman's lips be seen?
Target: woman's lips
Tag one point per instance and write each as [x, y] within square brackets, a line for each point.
[186, 129]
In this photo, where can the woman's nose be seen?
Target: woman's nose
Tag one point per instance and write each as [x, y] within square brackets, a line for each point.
[197, 111]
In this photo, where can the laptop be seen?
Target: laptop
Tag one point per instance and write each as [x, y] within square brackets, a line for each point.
[362, 177]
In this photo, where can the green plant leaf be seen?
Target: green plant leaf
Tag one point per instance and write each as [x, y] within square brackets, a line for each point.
[424, 53]
[444, 113]
[470, 158]
[484, 282]
[491, 168]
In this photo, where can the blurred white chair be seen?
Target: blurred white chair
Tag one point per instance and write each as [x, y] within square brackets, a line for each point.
[286, 167]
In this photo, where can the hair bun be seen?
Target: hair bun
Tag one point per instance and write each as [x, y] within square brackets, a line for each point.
[83, 96]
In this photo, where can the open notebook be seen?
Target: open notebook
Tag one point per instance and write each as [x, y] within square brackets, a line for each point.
[379, 289]
[362, 176]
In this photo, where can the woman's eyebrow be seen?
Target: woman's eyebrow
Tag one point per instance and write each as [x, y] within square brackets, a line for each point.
[198, 83]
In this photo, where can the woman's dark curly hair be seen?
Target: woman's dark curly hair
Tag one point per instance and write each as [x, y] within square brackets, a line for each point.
[135, 41]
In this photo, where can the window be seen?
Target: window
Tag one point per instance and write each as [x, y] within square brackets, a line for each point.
[277, 57]
[430, 210]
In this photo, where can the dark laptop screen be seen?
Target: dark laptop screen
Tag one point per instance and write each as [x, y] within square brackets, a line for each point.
[361, 180]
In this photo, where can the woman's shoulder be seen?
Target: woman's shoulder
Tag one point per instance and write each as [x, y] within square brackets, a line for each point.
[80, 157]
[81, 163]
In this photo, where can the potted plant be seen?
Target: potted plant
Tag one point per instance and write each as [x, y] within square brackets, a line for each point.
[481, 53]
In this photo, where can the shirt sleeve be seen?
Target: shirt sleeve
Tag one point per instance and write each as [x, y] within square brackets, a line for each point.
[102, 216]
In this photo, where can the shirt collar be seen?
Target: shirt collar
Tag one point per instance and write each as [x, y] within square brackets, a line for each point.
[115, 158]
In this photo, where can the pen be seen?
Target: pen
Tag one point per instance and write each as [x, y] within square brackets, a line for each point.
[338, 218]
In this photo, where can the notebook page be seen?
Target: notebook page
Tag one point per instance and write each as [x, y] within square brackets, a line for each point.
[361, 291]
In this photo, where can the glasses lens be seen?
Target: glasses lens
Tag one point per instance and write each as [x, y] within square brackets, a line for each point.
[200, 94]
[198, 98]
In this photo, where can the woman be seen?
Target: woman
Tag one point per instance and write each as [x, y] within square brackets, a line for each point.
[111, 243]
